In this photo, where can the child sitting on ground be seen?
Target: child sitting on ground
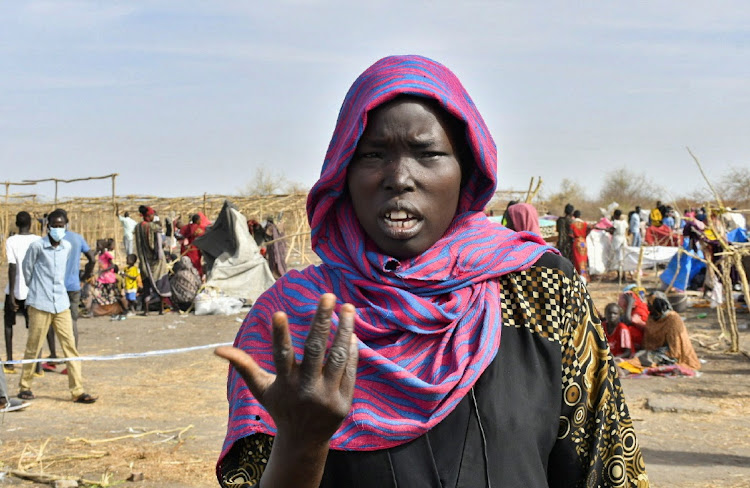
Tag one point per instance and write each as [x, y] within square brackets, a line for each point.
[623, 340]
[133, 282]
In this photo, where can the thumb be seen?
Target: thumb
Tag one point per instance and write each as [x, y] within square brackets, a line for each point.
[257, 379]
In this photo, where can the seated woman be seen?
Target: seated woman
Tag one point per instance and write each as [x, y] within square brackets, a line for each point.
[185, 283]
[635, 311]
[620, 336]
[665, 331]
[463, 353]
[107, 296]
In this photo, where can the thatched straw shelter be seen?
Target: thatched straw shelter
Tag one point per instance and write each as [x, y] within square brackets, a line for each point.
[95, 217]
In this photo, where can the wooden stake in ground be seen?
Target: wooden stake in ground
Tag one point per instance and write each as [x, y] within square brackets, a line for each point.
[530, 195]
[638, 267]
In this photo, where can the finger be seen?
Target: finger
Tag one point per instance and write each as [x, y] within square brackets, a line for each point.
[257, 379]
[317, 339]
[339, 352]
[350, 373]
[283, 353]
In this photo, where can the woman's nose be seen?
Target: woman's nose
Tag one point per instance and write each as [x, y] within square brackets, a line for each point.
[399, 176]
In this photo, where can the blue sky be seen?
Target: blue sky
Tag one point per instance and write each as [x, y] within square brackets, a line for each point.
[186, 97]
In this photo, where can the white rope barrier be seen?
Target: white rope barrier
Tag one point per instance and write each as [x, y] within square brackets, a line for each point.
[116, 357]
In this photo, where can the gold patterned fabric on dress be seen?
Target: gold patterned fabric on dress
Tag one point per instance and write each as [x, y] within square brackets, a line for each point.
[596, 444]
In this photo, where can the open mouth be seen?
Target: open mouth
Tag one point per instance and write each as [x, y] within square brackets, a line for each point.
[400, 219]
[400, 224]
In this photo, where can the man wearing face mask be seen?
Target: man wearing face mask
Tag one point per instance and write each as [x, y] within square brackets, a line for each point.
[48, 304]
[72, 282]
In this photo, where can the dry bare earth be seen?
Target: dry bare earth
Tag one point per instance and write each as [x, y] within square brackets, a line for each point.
[689, 449]
[173, 392]
[158, 393]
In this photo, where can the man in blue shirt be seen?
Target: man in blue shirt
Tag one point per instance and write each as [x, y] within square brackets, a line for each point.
[48, 303]
[72, 282]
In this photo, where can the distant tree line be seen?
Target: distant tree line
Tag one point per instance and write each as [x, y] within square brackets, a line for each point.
[629, 189]
[621, 185]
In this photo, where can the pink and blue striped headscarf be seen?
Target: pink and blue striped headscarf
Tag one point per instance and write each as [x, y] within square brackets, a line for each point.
[428, 328]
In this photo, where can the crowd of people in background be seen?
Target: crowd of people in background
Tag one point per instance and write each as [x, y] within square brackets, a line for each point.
[662, 225]
[642, 328]
[162, 270]
[41, 287]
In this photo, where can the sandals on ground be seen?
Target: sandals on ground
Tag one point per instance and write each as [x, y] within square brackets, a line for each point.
[49, 367]
[26, 395]
[85, 398]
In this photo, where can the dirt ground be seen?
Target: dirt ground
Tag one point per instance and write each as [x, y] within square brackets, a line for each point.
[186, 392]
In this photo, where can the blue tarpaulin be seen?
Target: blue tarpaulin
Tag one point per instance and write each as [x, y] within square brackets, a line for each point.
[737, 235]
[686, 266]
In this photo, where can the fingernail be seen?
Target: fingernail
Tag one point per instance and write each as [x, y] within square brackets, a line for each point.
[328, 300]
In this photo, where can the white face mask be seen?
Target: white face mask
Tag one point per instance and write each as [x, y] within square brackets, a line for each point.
[57, 233]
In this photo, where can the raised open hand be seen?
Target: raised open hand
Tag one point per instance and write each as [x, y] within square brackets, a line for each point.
[307, 400]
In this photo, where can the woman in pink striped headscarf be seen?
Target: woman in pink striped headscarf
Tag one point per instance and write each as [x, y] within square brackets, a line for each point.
[524, 217]
[431, 347]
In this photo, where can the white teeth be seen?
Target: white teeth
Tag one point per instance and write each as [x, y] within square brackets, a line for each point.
[402, 224]
[399, 215]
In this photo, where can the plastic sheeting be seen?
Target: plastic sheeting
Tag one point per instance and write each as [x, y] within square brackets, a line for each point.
[685, 266]
[234, 264]
[599, 244]
[737, 235]
[652, 255]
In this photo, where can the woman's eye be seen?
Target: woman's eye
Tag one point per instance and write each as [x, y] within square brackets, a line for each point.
[370, 155]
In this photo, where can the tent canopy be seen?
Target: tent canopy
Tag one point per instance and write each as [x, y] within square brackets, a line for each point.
[234, 264]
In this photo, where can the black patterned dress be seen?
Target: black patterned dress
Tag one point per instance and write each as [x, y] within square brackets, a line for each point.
[565, 237]
[548, 411]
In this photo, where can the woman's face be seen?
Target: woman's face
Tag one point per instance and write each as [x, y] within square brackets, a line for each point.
[405, 177]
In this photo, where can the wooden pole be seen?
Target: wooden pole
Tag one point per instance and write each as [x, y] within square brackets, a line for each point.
[528, 192]
[530, 197]
[7, 216]
[55, 193]
[726, 282]
[708, 182]
[115, 220]
[204, 204]
[638, 267]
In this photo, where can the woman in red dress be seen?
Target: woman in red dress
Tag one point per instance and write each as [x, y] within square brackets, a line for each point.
[580, 229]
[189, 233]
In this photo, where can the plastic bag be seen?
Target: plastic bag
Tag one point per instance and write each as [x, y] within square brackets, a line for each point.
[214, 304]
